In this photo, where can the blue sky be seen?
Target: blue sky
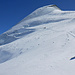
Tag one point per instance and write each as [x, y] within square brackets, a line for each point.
[13, 11]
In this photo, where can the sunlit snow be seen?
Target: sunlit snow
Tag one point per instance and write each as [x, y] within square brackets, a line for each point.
[43, 43]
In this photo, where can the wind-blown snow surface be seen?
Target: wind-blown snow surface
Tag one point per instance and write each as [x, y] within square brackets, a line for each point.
[43, 43]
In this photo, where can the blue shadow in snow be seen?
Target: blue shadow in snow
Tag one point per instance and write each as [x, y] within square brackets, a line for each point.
[4, 56]
[38, 22]
[26, 32]
[7, 38]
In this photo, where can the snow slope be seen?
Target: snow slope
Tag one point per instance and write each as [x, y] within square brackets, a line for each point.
[43, 43]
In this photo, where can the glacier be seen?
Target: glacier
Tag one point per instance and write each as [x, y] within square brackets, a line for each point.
[43, 43]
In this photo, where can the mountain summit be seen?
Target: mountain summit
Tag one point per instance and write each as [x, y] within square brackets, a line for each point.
[43, 43]
[22, 28]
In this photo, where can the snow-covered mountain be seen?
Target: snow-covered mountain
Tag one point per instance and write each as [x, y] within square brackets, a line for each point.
[43, 43]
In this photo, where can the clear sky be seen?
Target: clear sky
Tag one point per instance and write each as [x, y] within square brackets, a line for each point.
[13, 11]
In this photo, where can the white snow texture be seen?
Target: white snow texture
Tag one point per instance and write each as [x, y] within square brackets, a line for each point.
[43, 43]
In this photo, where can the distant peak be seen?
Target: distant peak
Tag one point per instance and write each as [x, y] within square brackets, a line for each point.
[45, 10]
[42, 11]
[53, 5]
